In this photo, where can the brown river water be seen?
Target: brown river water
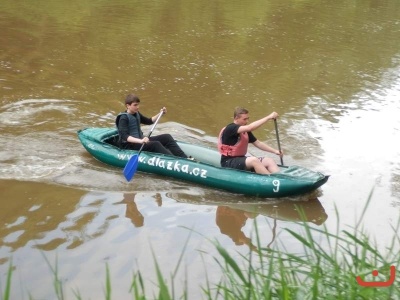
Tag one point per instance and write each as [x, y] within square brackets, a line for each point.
[331, 69]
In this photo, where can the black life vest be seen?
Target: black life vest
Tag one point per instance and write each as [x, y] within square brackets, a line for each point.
[134, 124]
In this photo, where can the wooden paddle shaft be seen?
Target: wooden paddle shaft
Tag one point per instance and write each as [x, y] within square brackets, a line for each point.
[277, 137]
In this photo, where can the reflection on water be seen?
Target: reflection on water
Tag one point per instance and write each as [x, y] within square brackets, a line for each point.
[232, 216]
[82, 230]
[230, 221]
[30, 215]
[132, 211]
[56, 219]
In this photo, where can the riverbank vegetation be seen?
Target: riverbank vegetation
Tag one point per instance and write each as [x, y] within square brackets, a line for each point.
[323, 270]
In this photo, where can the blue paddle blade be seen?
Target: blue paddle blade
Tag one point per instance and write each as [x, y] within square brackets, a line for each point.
[131, 167]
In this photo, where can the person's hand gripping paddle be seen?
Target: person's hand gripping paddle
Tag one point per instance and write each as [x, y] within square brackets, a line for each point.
[131, 166]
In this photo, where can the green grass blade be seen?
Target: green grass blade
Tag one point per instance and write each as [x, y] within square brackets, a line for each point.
[108, 284]
[232, 263]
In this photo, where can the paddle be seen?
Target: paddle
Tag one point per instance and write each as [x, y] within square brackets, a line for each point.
[131, 166]
[277, 137]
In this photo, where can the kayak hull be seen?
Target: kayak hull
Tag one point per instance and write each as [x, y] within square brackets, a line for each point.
[205, 170]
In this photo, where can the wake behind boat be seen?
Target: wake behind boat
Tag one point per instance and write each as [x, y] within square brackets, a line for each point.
[206, 170]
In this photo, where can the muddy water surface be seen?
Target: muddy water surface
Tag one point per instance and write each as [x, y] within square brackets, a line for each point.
[331, 70]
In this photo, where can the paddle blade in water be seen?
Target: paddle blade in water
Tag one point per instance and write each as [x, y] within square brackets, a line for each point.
[131, 167]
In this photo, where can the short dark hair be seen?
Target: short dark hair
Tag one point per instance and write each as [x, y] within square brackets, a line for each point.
[239, 111]
[132, 98]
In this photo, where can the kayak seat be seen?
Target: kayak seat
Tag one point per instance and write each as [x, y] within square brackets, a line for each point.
[112, 140]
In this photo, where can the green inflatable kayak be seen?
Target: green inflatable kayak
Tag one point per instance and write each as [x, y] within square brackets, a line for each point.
[206, 170]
